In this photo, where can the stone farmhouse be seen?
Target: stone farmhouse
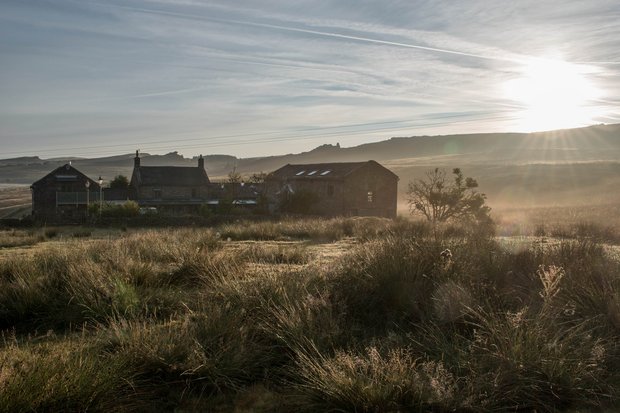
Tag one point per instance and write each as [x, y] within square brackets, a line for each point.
[338, 189]
[335, 189]
[178, 189]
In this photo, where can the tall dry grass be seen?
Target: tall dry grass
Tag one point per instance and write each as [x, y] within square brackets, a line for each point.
[410, 319]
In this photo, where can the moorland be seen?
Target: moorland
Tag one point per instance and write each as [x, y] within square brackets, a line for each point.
[347, 314]
[343, 314]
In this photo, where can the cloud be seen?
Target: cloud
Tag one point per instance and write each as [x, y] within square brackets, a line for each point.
[130, 71]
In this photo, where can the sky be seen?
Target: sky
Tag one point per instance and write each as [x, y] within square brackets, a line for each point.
[258, 78]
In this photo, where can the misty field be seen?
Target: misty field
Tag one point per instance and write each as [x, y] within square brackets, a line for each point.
[15, 201]
[361, 314]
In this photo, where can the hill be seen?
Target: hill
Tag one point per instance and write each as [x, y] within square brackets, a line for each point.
[565, 166]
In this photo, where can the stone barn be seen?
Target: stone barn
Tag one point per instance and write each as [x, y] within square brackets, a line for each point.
[63, 195]
[173, 189]
[334, 189]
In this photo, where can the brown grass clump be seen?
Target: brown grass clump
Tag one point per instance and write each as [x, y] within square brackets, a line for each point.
[19, 238]
[369, 381]
[66, 375]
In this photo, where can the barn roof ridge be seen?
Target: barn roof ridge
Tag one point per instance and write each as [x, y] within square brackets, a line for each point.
[66, 167]
[336, 169]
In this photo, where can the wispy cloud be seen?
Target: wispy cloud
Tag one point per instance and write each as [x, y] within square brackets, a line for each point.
[201, 75]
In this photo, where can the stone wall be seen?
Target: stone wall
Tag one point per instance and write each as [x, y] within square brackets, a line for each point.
[371, 191]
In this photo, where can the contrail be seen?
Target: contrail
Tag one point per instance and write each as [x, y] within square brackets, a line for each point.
[151, 94]
[366, 39]
[315, 32]
[343, 36]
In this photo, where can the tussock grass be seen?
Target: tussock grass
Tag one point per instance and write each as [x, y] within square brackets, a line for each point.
[369, 381]
[63, 376]
[595, 222]
[211, 352]
[412, 318]
[527, 362]
[19, 238]
[307, 229]
[77, 283]
[276, 254]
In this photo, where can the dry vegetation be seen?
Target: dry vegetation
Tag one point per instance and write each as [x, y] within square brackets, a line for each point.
[599, 222]
[15, 201]
[362, 315]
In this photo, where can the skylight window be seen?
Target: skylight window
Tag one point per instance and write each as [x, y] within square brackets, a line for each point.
[325, 173]
[312, 173]
[300, 173]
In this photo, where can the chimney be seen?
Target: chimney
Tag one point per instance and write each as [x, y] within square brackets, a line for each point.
[136, 160]
[201, 162]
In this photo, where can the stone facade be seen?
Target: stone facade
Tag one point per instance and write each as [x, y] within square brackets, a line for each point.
[146, 193]
[172, 188]
[339, 189]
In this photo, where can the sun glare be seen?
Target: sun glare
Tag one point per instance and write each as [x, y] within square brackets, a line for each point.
[555, 95]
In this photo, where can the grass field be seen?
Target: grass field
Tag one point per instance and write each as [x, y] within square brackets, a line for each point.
[365, 315]
[15, 201]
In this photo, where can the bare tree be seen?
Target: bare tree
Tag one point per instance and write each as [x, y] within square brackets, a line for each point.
[257, 178]
[440, 200]
[234, 177]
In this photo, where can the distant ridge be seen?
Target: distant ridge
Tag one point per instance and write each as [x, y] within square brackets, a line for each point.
[600, 142]
[518, 165]
[20, 160]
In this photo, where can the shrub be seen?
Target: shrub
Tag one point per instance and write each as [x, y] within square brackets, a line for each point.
[205, 211]
[126, 210]
[439, 200]
[119, 182]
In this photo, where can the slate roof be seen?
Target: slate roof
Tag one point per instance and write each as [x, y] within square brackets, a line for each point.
[170, 176]
[67, 173]
[333, 170]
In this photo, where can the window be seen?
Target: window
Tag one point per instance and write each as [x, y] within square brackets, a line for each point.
[300, 173]
[370, 196]
[194, 193]
[312, 173]
[330, 190]
[157, 193]
[325, 173]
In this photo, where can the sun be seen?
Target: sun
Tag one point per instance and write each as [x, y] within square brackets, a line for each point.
[554, 95]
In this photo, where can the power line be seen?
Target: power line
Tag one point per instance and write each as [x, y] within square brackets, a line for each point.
[173, 144]
[211, 139]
